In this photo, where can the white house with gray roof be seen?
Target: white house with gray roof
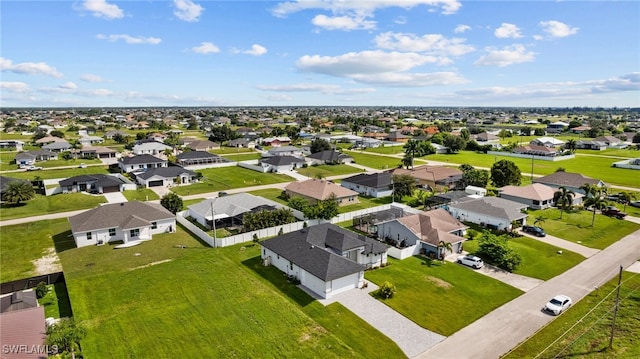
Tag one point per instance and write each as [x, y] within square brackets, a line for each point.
[141, 163]
[127, 221]
[492, 212]
[165, 176]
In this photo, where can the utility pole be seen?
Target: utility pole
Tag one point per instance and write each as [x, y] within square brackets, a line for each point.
[615, 309]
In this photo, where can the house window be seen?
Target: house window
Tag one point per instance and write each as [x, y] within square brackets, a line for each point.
[290, 265]
[154, 225]
[134, 232]
[112, 232]
[536, 202]
[140, 166]
[89, 237]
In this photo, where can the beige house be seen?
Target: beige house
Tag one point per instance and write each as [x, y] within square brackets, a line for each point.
[318, 190]
[434, 177]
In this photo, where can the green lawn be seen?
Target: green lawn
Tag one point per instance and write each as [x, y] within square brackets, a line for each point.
[230, 150]
[62, 163]
[206, 303]
[6, 161]
[188, 202]
[23, 243]
[443, 298]
[56, 302]
[141, 194]
[243, 156]
[272, 194]
[539, 260]
[627, 152]
[388, 150]
[57, 173]
[576, 227]
[219, 179]
[374, 161]
[365, 202]
[590, 338]
[40, 205]
[328, 171]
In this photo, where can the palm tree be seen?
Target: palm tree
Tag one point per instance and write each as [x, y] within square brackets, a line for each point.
[407, 160]
[18, 191]
[410, 148]
[627, 197]
[570, 145]
[564, 199]
[539, 219]
[66, 335]
[596, 202]
[443, 247]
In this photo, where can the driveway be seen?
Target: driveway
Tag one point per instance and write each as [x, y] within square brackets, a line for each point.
[501, 330]
[115, 197]
[409, 336]
[564, 244]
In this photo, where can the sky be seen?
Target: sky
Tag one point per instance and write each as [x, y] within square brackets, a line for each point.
[104, 53]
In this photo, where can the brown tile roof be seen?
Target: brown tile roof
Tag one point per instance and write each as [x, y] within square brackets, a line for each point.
[428, 173]
[434, 226]
[319, 189]
[536, 191]
[121, 215]
[20, 328]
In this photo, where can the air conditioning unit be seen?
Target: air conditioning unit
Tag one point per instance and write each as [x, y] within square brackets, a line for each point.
[100, 242]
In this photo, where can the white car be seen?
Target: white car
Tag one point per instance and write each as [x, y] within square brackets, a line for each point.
[471, 261]
[33, 168]
[558, 304]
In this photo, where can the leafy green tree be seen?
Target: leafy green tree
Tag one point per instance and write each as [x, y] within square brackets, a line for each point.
[454, 143]
[505, 172]
[325, 209]
[18, 191]
[563, 199]
[596, 202]
[222, 134]
[570, 145]
[495, 249]
[474, 177]
[298, 203]
[39, 133]
[66, 335]
[636, 138]
[403, 185]
[319, 145]
[626, 197]
[172, 202]
[266, 219]
[57, 133]
[538, 220]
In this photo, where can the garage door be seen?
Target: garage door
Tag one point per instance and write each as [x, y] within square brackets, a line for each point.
[156, 183]
[110, 189]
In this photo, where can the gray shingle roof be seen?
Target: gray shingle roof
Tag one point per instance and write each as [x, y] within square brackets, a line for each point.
[328, 156]
[140, 159]
[567, 179]
[118, 215]
[281, 160]
[373, 180]
[493, 206]
[231, 205]
[195, 155]
[101, 180]
[166, 172]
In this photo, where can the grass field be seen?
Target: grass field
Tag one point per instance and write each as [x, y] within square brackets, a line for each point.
[443, 298]
[40, 205]
[141, 194]
[575, 226]
[388, 150]
[57, 173]
[232, 150]
[328, 170]
[374, 161]
[203, 302]
[272, 194]
[539, 260]
[590, 338]
[56, 302]
[365, 202]
[243, 156]
[219, 179]
[21, 244]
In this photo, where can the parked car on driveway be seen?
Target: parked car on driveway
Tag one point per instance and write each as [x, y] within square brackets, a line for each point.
[82, 165]
[612, 211]
[635, 204]
[558, 304]
[33, 168]
[471, 261]
[536, 231]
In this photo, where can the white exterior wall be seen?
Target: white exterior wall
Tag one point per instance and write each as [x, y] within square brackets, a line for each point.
[367, 191]
[164, 226]
[477, 218]
[395, 230]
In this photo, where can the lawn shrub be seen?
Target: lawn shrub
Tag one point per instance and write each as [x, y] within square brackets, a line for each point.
[386, 291]
[41, 290]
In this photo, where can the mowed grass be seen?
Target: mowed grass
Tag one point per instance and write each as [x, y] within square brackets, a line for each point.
[229, 150]
[21, 244]
[365, 202]
[56, 302]
[590, 338]
[539, 260]
[219, 179]
[141, 194]
[206, 303]
[325, 171]
[272, 194]
[243, 156]
[387, 150]
[40, 205]
[575, 226]
[63, 163]
[58, 173]
[443, 298]
[374, 161]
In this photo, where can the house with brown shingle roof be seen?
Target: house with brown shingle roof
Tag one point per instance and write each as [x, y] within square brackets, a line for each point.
[127, 221]
[315, 190]
[569, 180]
[435, 177]
[424, 232]
[23, 333]
[536, 195]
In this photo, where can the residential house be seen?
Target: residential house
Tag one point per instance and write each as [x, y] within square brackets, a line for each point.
[547, 142]
[95, 152]
[165, 176]
[535, 196]
[12, 144]
[556, 127]
[95, 183]
[580, 129]
[424, 232]
[536, 150]
[126, 221]
[90, 140]
[367, 142]
[228, 211]
[492, 212]
[242, 143]
[486, 138]
[26, 329]
[315, 190]
[397, 136]
[199, 158]
[140, 163]
[109, 135]
[610, 141]
[328, 157]
[591, 145]
[280, 163]
[569, 180]
[49, 139]
[61, 146]
[285, 151]
[29, 158]
[324, 258]
[150, 148]
[370, 184]
[276, 141]
[202, 145]
[440, 149]
[433, 177]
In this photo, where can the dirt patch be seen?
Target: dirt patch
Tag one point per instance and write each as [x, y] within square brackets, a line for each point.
[48, 263]
[313, 331]
[438, 282]
[152, 264]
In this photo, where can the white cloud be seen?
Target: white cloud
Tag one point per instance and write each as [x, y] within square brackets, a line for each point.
[343, 22]
[68, 86]
[461, 28]
[363, 7]
[508, 31]
[256, 50]
[365, 62]
[99, 92]
[557, 29]
[187, 10]
[91, 78]
[301, 87]
[206, 48]
[627, 82]
[17, 87]
[100, 8]
[506, 56]
[400, 20]
[134, 40]
[411, 79]
[29, 68]
[429, 43]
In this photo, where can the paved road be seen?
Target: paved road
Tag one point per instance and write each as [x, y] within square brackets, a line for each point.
[499, 331]
[564, 244]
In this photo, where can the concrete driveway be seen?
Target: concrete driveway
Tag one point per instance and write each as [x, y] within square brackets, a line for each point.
[115, 197]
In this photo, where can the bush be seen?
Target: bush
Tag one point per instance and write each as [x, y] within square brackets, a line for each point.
[41, 290]
[386, 291]
[495, 250]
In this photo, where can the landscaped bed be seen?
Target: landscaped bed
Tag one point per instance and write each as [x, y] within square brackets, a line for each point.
[220, 179]
[443, 298]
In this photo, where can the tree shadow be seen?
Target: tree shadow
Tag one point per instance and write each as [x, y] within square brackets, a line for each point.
[279, 280]
[12, 205]
[63, 241]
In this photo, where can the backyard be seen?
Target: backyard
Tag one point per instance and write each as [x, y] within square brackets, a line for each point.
[443, 298]
[40, 205]
[575, 226]
[374, 161]
[220, 179]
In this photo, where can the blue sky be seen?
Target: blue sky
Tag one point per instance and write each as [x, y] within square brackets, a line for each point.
[320, 52]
